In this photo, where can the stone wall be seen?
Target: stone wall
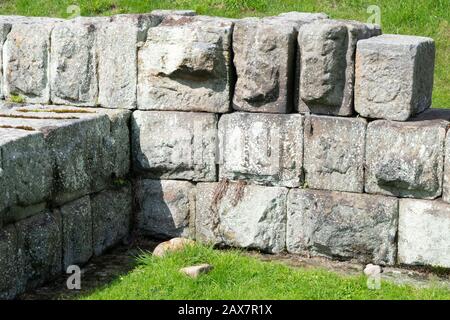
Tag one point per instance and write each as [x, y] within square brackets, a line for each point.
[295, 133]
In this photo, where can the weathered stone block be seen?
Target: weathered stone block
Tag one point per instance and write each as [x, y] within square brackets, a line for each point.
[118, 42]
[41, 246]
[25, 169]
[111, 215]
[166, 208]
[405, 159]
[262, 148]
[394, 76]
[165, 13]
[26, 57]
[342, 225]
[11, 264]
[239, 215]
[327, 53]
[334, 153]
[185, 65]
[5, 28]
[76, 220]
[175, 145]
[423, 235]
[73, 63]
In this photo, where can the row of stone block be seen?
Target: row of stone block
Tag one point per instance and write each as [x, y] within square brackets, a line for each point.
[189, 63]
[303, 221]
[35, 249]
[404, 159]
[54, 154]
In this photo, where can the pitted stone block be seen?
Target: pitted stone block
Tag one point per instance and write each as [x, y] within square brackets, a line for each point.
[11, 265]
[334, 153]
[327, 53]
[41, 247]
[26, 58]
[76, 221]
[118, 43]
[111, 216]
[262, 148]
[423, 234]
[166, 208]
[73, 62]
[394, 76]
[175, 145]
[342, 225]
[405, 159]
[185, 65]
[245, 216]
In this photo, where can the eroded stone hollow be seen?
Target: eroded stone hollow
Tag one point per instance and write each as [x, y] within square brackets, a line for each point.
[293, 133]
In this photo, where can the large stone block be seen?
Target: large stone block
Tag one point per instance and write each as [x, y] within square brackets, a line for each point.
[423, 235]
[118, 42]
[76, 221]
[26, 58]
[327, 54]
[111, 216]
[11, 264]
[342, 225]
[5, 28]
[405, 159]
[394, 76]
[41, 246]
[262, 148]
[73, 63]
[25, 170]
[166, 208]
[175, 145]
[185, 65]
[334, 153]
[239, 215]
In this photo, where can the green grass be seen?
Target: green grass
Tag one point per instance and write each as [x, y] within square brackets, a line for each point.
[416, 17]
[237, 276]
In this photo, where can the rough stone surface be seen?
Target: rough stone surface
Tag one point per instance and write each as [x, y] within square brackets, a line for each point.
[334, 153]
[111, 215]
[342, 225]
[423, 235]
[5, 28]
[174, 145]
[185, 65]
[166, 13]
[165, 207]
[446, 180]
[41, 246]
[11, 266]
[26, 55]
[327, 53]
[175, 244]
[196, 271]
[262, 148]
[73, 63]
[394, 76]
[76, 220]
[239, 215]
[118, 43]
[25, 170]
[405, 159]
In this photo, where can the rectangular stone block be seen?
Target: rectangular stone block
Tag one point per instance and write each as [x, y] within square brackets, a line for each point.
[327, 54]
[73, 62]
[185, 65]
[342, 225]
[11, 265]
[25, 170]
[394, 76]
[111, 216]
[262, 148]
[334, 153]
[118, 43]
[40, 244]
[166, 208]
[76, 221]
[174, 145]
[405, 159]
[423, 235]
[239, 215]
[26, 58]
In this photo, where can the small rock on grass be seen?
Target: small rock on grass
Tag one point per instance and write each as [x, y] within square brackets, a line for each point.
[175, 244]
[196, 271]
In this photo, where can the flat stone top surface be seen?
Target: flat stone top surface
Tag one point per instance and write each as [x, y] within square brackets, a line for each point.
[393, 39]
